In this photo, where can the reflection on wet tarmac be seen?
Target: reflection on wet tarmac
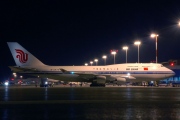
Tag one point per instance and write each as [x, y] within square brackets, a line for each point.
[89, 103]
[6, 93]
[45, 93]
[5, 114]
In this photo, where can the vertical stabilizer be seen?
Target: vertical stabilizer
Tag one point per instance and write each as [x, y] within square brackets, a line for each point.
[21, 56]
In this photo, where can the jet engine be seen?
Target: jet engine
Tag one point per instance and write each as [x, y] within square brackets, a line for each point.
[120, 79]
[101, 77]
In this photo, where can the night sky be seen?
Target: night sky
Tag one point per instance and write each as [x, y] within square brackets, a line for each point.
[74, 32]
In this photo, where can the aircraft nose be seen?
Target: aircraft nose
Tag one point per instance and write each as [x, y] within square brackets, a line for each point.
[172, 73]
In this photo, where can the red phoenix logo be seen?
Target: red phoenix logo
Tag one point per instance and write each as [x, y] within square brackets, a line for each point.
[23, 57]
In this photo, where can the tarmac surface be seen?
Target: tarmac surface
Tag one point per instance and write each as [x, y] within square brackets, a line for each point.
[122, 103]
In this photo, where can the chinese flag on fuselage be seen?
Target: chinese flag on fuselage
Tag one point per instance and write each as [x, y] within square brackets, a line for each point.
[145, 68]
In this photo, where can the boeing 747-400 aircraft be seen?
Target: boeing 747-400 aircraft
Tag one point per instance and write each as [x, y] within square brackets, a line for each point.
[26, 63]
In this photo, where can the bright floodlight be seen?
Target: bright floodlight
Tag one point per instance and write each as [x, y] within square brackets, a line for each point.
[86, 64]
[137, 43]
[91, 62]
[6, 83]
[125, 48]
[96, 60]
[154, 35]
[179, 23]
[113, 52]
[104, 57]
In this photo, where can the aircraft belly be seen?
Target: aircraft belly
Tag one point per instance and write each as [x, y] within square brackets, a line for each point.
[149, 77]
[144, 77]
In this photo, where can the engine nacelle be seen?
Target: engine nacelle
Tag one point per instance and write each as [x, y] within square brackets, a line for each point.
[101, 77]
[99, 81]
[120, 79]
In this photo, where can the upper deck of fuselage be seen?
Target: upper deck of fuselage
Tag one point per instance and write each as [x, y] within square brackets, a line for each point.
[114, 67]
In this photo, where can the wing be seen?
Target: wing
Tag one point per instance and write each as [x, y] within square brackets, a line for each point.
[107, 77]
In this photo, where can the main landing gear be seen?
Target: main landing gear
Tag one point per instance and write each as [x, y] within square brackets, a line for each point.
[97, 85]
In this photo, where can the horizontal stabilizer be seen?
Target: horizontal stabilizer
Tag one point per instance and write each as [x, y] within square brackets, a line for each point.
[20, 69]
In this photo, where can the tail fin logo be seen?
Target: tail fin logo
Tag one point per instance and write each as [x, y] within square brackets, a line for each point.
[23, 57]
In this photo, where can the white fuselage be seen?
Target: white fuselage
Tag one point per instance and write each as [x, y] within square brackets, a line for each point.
[135, 71]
